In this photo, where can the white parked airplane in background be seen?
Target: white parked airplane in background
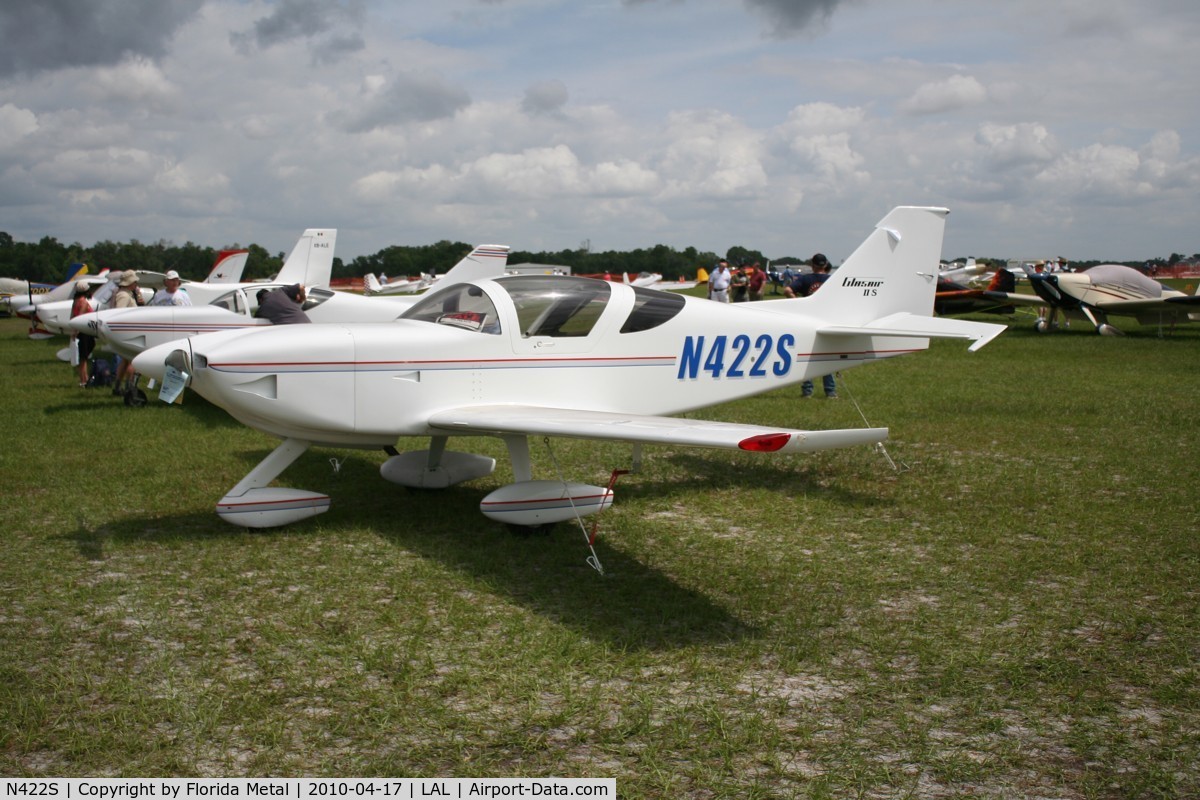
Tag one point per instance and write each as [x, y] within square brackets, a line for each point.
[481, 254]
[552, 356]
[372, 285]
[310, 263]
[227, 269]
[129, 331]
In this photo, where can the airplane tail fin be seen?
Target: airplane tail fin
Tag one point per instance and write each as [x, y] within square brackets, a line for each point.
[373, 286]
[887, 286]
[485, 261]
[229, 267]
[311, 260]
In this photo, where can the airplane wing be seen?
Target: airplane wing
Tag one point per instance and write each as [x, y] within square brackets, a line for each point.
[1013, 298]
[1179, 304]
[571, 423]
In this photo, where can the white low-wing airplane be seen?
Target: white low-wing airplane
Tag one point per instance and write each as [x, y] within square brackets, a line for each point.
[309, 263]
[427, 282]
[129, 331]
[372, 285]
[524, 356]
[227, 269]
[1111, 289]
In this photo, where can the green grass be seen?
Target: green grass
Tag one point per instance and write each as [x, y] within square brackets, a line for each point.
[1013, 613]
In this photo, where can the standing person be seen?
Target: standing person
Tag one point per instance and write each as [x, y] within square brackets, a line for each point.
[82, 344]
[805, 286]
[128, 295]
[740, 284]
[172, 293]
[758, 281]
[718, 282]
[284, 306]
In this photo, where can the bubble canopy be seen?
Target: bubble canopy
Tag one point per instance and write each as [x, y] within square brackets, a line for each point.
[546, 305]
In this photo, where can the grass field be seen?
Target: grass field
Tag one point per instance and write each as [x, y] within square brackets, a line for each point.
[1013, 612]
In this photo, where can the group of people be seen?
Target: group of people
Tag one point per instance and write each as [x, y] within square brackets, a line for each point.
[726, 285]
[747, 283]
[281, 306]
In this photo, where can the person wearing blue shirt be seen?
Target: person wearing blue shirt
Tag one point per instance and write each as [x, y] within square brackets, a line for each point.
[805, 286]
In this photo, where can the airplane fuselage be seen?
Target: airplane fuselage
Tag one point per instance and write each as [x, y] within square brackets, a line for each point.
[366, 384]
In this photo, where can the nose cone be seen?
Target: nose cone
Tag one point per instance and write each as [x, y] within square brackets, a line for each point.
[87, 323]
[295, 381]
[54, 316]
[152, 361]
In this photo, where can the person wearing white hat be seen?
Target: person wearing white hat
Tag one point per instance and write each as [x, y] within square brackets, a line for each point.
[172, 294]
[82, 344]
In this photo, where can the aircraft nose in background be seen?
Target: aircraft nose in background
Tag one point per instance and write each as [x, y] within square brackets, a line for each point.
[87, 323]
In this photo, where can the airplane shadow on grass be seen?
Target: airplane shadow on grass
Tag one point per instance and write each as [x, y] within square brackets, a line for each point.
[703, 471]
[632, 606]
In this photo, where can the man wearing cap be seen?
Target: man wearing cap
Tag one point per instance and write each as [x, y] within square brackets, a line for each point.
[284, 306]
[171, 294]
[805, 286]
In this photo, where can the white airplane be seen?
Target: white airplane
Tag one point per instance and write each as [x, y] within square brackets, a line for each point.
[227, 269]
[28, 305]
[955, 273]
[1111, 289]
[482, 253]
[643, 279]
[372, 286]
[310, 263]
[556, 356]
[16, 291]
[129, 331]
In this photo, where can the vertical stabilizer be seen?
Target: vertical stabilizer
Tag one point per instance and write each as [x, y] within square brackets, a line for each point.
[229, 267]
[311, 261]
[885, 289]
[485, 261]
[894, 270]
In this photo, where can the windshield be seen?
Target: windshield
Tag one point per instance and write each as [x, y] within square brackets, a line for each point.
[463, 305]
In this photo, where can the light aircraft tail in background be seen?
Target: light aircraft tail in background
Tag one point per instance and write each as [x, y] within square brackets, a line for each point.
[311, 260]
[484, 261]
[229, 267]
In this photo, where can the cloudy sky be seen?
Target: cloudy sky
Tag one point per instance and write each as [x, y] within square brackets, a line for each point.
[1048, 128]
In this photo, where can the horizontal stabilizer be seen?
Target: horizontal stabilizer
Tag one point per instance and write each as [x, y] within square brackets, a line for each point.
[917, 326]
[541, 421]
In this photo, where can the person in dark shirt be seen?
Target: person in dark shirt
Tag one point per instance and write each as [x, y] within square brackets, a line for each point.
[804, 286]
[284, 306]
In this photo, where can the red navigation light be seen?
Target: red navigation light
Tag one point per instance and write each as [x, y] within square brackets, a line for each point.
[765, 443]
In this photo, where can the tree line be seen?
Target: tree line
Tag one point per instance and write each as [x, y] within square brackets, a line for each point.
[48, 259]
